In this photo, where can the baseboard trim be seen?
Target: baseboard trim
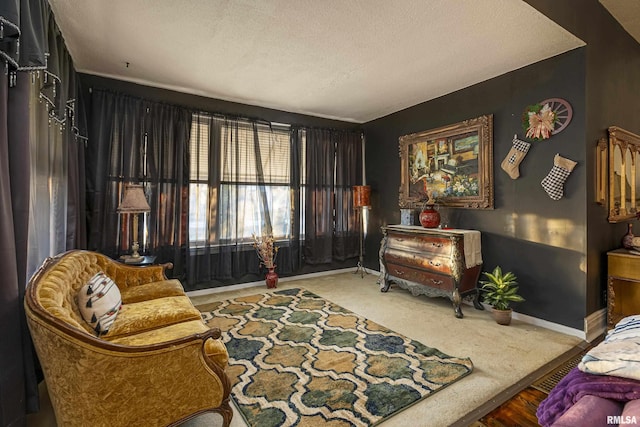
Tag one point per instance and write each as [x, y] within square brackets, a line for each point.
[542, 323]
[209, 291]
[595, 324]
[550, 325]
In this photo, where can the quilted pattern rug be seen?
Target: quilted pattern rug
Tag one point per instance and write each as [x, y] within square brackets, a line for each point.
[297, 359]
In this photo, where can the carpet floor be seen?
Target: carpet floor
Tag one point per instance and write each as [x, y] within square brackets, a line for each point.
[296, 359]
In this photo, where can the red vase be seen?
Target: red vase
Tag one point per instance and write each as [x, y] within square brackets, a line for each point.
[429, 217]
[272, 278]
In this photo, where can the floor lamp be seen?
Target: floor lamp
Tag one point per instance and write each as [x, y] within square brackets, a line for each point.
[134, 202]
[361, 201]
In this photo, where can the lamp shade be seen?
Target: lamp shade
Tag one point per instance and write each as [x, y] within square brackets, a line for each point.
[134, 200]
[361, 196]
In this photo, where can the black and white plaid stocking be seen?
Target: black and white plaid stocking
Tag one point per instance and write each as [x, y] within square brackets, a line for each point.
[553, 183]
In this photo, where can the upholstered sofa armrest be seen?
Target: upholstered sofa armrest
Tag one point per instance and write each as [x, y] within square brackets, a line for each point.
[145, 384]
[132, 275]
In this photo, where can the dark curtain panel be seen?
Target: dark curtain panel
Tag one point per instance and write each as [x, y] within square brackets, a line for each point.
[101, 135]
[320, 178]
[39, 81]
[76, 199]
[18, 383]
[134, 140]
[167, 146]
[348, 173]
[114, 157]
[333, 166]
[35, 26]
[293, 260]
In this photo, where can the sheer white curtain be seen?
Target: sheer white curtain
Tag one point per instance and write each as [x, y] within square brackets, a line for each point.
[48, 193]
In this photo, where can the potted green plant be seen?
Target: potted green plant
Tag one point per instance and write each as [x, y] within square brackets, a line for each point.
[499, 291]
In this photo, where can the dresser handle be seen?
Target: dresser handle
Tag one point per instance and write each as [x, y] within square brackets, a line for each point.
[435, 264]
[436, 245]
[399, 239]
[399, 273]
[436, 282]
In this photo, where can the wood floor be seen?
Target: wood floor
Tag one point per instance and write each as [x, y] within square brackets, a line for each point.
[517, 406]
[518, 411]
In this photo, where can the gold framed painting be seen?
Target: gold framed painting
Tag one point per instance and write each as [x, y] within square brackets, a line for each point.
[453, 164]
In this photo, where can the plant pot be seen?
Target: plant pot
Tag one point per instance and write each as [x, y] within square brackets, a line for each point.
[272, 278]
[502, 317]
[429, 217]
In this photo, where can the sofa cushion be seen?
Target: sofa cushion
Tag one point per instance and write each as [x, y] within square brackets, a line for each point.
[214, 348]
[99, 302]
[153, 290]
[153, 314]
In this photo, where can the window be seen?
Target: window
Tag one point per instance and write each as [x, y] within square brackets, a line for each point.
[240, 180]
[198, 179]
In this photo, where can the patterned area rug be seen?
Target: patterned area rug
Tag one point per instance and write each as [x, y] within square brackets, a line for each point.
[297, 359]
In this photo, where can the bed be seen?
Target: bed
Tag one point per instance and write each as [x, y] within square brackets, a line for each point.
[604, 389]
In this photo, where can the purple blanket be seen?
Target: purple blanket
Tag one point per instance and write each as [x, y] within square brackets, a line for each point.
[577, 384]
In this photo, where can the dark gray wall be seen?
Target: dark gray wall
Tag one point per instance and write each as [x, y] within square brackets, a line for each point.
[541, 240]
[612, 97]
[612, 94]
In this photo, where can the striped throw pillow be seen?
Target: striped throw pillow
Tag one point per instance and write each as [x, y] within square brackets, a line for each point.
[99, 302]
[628, 327]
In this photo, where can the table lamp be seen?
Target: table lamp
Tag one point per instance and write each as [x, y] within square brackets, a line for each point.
[134, 202]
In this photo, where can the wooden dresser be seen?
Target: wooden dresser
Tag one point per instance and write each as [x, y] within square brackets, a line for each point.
[432, 262]
[623, 285]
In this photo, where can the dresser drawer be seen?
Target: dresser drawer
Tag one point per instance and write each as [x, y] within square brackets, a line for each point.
[624, 266]
[425, 278]
[425, 261]
[417, 243]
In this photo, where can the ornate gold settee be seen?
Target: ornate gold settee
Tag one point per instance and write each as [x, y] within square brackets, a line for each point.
[157, 365]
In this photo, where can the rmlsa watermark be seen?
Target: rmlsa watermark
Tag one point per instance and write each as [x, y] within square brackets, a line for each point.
[622, 420]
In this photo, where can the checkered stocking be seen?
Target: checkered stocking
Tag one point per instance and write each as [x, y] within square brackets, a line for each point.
[511, 163]
[554, 181]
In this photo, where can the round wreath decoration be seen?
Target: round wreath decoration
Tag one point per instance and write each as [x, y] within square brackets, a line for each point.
[538, 121]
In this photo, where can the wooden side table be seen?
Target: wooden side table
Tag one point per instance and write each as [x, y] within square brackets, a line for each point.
[623, 285]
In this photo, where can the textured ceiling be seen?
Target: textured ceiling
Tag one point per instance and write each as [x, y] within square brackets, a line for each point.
[627, 12]
[351, 60]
